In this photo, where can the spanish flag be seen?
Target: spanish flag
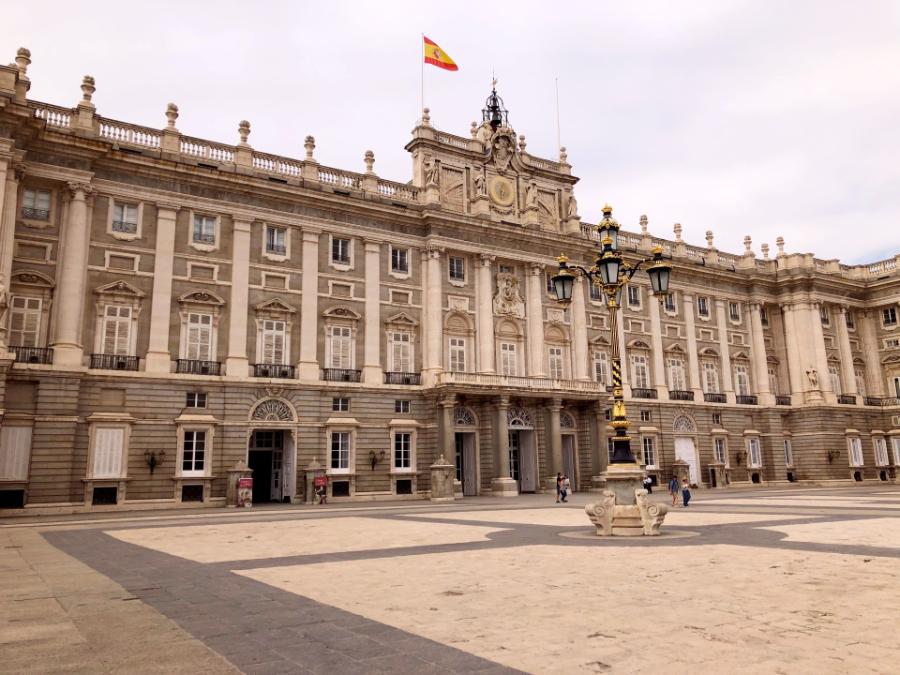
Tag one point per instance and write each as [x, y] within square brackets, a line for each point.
[437, 56]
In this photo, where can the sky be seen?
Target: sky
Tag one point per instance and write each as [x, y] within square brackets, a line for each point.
[760, 118]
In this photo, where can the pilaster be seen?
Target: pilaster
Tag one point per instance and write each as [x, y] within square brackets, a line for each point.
[433, 313]
[659, 369]
[579, 330]
[795, 368]
[758, 356]
[236, 362]
[848, 376]
[502, 485]
[821, 355]
[159, 360]
[308, 365]
[535, 320]
[866, 325]
[724, 353]
[485, 315]
[554, 443]
[687, 303]
[372, 369]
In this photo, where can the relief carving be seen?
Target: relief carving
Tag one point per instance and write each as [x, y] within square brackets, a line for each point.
[508, 300]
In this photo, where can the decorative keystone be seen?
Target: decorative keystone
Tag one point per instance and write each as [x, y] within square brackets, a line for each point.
[23, 60]
[644, 223]
[369, 159]
[310, 145]
[244, 131]
[677, 229]
[171, 115]
[87, 90]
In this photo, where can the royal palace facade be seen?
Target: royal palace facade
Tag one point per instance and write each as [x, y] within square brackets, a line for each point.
[172, 307]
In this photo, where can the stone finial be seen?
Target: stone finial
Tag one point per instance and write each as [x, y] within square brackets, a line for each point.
[426, 117]
[370, 162]
[748, 243]
[522, 143]
[87, 90]
[677, 229]
[709, 239]
[765, 251]
[563, 155]
[310, 145]
[244, 131]
[779, 242]
[23, 60]
[644, 223]
[171, 115]
[473, 130]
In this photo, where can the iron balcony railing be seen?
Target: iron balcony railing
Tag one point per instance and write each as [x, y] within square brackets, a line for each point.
[873, 400]
[276, 370]
[395, 377]
[680, 395]
[341, 374]
[114, 362]
[205, 237]
[714, 398]
[846, 399]
[194, 367]
[276, 249]
[124, 226]
[35, 214]
[640, 392]
[32, 354]
[782, 400]
[746, 399]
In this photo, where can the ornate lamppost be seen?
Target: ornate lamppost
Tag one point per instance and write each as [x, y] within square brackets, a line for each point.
[622, 510]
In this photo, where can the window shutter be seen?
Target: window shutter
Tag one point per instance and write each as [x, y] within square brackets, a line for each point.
[108, 446]
[15, 452]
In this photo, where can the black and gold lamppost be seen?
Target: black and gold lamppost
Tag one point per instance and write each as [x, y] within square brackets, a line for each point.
[611, 273]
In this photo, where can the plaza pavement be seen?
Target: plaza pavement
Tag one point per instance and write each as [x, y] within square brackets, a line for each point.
[798, 580]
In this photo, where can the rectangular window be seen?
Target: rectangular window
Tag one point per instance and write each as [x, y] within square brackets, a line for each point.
[340, 404]
[508, 360]
[340, 251]
[645, 416]
[117, 330]
[710, 378]
[596, 292]
[788, 453]
[860, 376]
[195, 399]
[640, 371]
[889, 316]
[601, 368]
[676, 374]
[734, 311]
[824, 315]
[457, 268]
[273, 340]
[24, 321]
[403, 450]
[703, 306]
[555, 362]
[834, 376]
[400, 260]
[773, 381]
[548, 283]
[850, 319]
[610, 448]
[854, 446]
[401, 406]
[125, 218]
[36, 204]
[205, 229]
[109, 444]
[401, 352]
[276, 240]
[763, 316]
[505, 269]
[741, 380]
[193, 459]
[634, 296]
[895, 442]
[720, 450]
[649, 454]
[892, 343]
[669, 303]
[341, 347]
[15, 452]
[457, 355]
[717, 419]
[340, 450]
[754, 457]
[896, 382]
[199, 337]
[881, 454]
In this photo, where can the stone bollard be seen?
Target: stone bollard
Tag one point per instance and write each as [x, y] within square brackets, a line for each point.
[235, 473]
[442, 481]
[313, 470]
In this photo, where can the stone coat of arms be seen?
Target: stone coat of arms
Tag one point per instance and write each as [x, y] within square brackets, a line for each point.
[507, 300]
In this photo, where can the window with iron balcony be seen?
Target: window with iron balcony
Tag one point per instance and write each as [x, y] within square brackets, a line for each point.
[35, 204]
[276, 240]
[125, 218]
[204, 229]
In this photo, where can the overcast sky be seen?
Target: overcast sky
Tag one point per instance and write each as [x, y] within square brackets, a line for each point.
[764, 118]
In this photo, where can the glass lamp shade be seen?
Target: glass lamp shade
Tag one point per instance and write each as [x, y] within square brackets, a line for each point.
[563, 283]
[609, 265]
[610, 228]
[659, 273]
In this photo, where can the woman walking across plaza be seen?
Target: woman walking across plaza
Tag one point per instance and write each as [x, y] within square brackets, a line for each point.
[673, 489]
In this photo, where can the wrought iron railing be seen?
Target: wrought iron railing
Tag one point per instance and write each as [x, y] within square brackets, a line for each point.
[341, 374]
[782, 400]
[32, 354]
[395, 377]
[640, 392]
[746, 399]
[714, 398]
[276, 249]
[205, 237]
[114, 362]
[680, 395]
[194, 367]
[276, 370]
[846, 399]
[873, 400]
[124, 226]
[35, 214]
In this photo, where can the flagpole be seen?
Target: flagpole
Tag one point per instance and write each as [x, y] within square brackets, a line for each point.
[422, 68]
[558, 135]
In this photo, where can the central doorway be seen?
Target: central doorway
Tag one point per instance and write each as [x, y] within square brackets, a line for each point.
[466, 469]
[270, 457]
[522, 459]
[685, 451]
[568, 460]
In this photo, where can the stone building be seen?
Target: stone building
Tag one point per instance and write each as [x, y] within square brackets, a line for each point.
[173, 306]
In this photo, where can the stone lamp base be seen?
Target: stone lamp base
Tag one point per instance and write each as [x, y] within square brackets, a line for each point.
[623, 509]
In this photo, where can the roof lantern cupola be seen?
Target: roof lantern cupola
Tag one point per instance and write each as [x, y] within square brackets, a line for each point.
[493, 112]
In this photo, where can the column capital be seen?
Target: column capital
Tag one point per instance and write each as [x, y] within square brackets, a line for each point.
[169, 206]
[18, 171]
[502, 402]
[372, 245]
[447, 401]
[78, 190]
[311, 235]
[432, 252]
[536, 269]
[555, 405]
[486, 259]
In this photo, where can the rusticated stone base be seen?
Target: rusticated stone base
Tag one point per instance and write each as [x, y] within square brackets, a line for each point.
[504, 487]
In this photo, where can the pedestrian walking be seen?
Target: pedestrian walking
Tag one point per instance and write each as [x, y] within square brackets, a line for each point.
[566, 486]
[559, 480]
[685, 492]
[673, 489]
[648, 485]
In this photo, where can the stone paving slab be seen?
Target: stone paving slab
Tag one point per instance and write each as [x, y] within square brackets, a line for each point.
[881, 532]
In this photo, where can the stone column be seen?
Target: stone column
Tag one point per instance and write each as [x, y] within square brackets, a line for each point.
[821, 355]
[579, 331]
[758, 356]
[236, 362]
[308, 365]
[9, 189]
[687, 303]
[798, 381]
[159, 360]
[433, 314]
[866, 325]
[502, 485]
[68, 350]
[848, 376]
[600, 453]
[534, 310]
[372, 369]
[485, 315]
[659, 368]
[446, 404]
[554, 443]
[725, 355]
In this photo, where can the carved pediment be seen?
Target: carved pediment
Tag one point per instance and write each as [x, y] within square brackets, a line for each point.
[275, 305]
[675, 347]
[201, 297]
[638, 344]
[402, 319]
[342, 313]
[121, 288]
[32, 278]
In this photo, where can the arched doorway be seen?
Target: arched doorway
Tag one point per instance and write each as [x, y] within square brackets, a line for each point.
[272, 451]
[466, 440]
[685, 445]
[569, 449]
[522, 455]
